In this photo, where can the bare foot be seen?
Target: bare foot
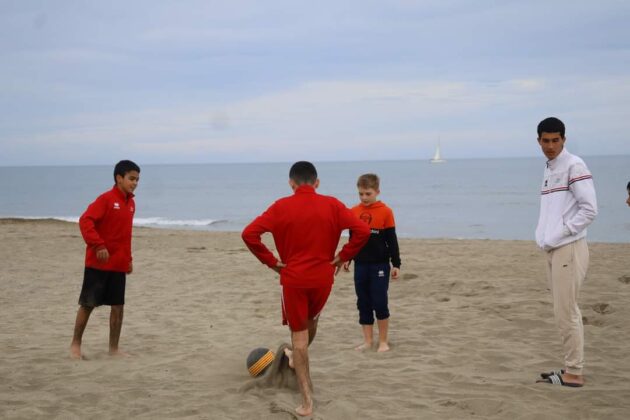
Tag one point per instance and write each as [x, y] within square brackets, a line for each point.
[289, 354]
[363, 347]
[75, 352]
[382, 347]
[572, 379]
[305, 411]
[567, 379]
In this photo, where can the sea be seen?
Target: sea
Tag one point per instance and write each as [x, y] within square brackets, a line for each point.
[461, 199]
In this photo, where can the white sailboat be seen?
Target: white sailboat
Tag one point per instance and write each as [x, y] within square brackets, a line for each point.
[437, 157]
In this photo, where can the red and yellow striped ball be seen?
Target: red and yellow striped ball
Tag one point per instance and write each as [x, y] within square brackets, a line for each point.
[259, 360]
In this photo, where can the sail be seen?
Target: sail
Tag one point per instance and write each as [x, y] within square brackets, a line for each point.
[437, 157]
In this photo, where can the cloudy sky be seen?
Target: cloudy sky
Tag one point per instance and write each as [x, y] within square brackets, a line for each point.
[92, 82]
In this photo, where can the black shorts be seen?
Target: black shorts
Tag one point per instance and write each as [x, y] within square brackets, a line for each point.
[102, 288]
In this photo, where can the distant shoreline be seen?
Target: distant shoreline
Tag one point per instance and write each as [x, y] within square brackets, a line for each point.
[183, 229]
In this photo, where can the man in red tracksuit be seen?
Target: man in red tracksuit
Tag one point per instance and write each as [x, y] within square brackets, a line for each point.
[306, 228]
[106, 228]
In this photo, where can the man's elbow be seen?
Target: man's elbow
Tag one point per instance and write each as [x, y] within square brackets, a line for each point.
[246, 236]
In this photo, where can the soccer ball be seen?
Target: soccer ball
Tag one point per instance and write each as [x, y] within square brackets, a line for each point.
[259, 360]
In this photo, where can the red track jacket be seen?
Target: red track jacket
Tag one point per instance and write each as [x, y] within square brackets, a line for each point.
[107, 224]
[306, 228]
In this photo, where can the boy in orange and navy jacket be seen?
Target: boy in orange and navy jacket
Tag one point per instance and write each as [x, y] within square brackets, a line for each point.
[372, 263]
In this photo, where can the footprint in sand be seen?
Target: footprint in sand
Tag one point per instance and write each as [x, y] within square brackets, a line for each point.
[602, 308]
[276, 408]
[593, 322]
[624, 279]
[409, 276]
[195, 248]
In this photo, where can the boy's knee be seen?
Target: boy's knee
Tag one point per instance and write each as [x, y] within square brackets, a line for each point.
[303, 347]
[381, 315]
[381, 309]
[366, 316]
[299, 339]
[117, 309]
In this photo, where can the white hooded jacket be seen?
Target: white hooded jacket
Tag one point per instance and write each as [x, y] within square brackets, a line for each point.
[567, 204]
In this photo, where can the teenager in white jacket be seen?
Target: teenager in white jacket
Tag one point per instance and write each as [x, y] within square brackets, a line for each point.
[567, 206]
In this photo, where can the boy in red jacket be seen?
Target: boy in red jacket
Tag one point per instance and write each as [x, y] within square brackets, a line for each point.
[306, 228]
[106, 229]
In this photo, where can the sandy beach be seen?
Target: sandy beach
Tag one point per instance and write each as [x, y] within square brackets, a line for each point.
[471, 329]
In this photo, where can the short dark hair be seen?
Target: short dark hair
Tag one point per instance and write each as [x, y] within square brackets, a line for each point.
[369, 181]
[628, 186]
[551, 125]
[125, 166]
[303, 172]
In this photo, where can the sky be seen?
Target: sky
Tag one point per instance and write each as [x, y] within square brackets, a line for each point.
[204, 81]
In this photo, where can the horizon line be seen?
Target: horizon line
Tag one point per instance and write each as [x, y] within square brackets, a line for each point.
[35, 165]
